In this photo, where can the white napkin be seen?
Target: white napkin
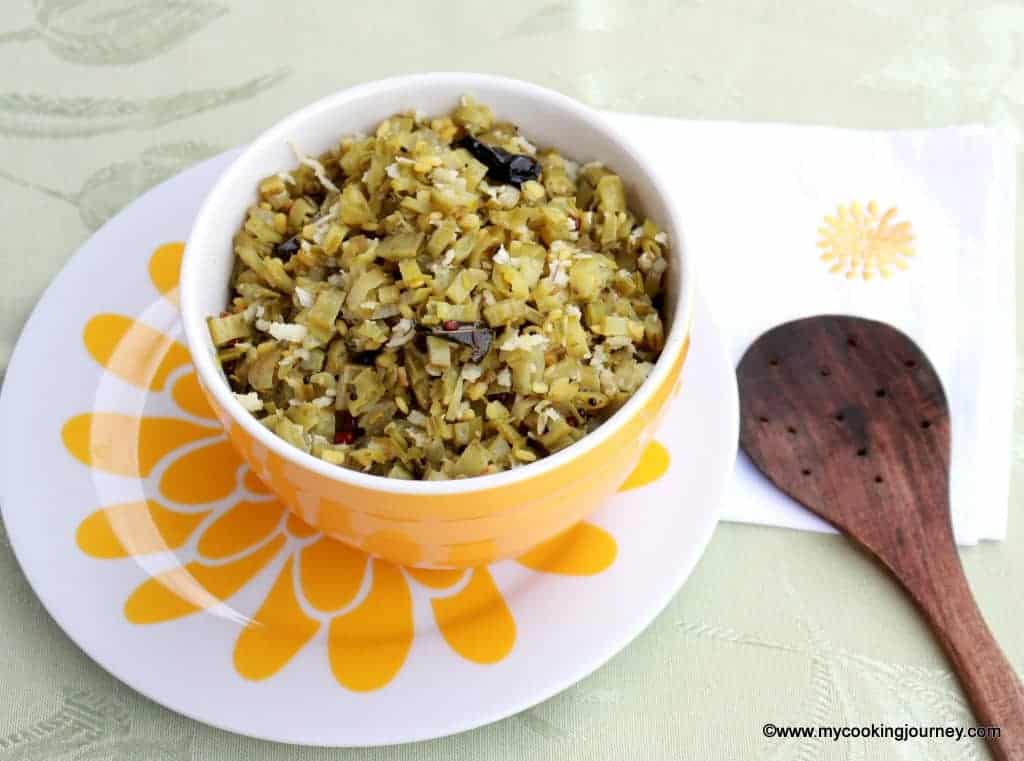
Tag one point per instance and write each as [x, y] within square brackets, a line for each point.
[753, 198]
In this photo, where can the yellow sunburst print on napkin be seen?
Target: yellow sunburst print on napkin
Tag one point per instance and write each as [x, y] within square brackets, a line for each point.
[865, 241]
[225, 528]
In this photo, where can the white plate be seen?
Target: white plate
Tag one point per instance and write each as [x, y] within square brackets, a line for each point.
[544, 629]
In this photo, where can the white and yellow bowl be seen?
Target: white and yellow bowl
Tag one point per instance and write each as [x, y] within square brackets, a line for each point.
[460, 523]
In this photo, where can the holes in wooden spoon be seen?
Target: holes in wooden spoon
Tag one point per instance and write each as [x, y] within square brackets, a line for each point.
[862, 452]
[773, 362]
[880, 393]
[840, 417]
[911, 363]
[878, 479]
[851, 342]
[806, 471]
[763, 419]
[926, 423]
[790, 430]
[825, 372]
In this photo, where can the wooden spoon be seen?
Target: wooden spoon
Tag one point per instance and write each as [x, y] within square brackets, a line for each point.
[849, 418]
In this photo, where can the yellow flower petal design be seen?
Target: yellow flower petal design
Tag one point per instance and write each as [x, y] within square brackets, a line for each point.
[243, 526]
[194, 586]
[583, 550]
[277, 632]
[253, 483]
[126, 445]
[368, 645]
[135, 528]
[298, 527]
[435, 579]
[165, 269]
[203, 475]
[862, 242]
[187, 395]
[476, 621]
[652, 466]
[331, 573]
[134, 352]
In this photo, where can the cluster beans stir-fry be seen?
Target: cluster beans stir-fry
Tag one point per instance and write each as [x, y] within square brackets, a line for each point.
[440, 299]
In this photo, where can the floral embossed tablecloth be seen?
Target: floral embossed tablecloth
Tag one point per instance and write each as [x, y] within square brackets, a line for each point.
[100, 99]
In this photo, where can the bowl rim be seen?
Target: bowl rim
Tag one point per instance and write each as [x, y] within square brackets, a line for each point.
[212, 380]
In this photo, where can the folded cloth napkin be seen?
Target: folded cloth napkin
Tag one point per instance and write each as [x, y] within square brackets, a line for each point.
[929, 213]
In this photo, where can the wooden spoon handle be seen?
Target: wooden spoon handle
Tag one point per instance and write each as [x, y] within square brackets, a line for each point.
[987, 676]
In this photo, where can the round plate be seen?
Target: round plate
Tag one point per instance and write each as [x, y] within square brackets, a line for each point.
[157, 553]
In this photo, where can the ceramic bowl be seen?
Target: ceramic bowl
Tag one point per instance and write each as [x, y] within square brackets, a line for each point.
[459, 523]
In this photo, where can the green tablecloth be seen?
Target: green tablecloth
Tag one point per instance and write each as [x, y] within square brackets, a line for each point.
[102, 98]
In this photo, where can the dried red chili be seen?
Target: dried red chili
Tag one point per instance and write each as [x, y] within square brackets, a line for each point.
[502, 166]
[346, 430]
[477, 337]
